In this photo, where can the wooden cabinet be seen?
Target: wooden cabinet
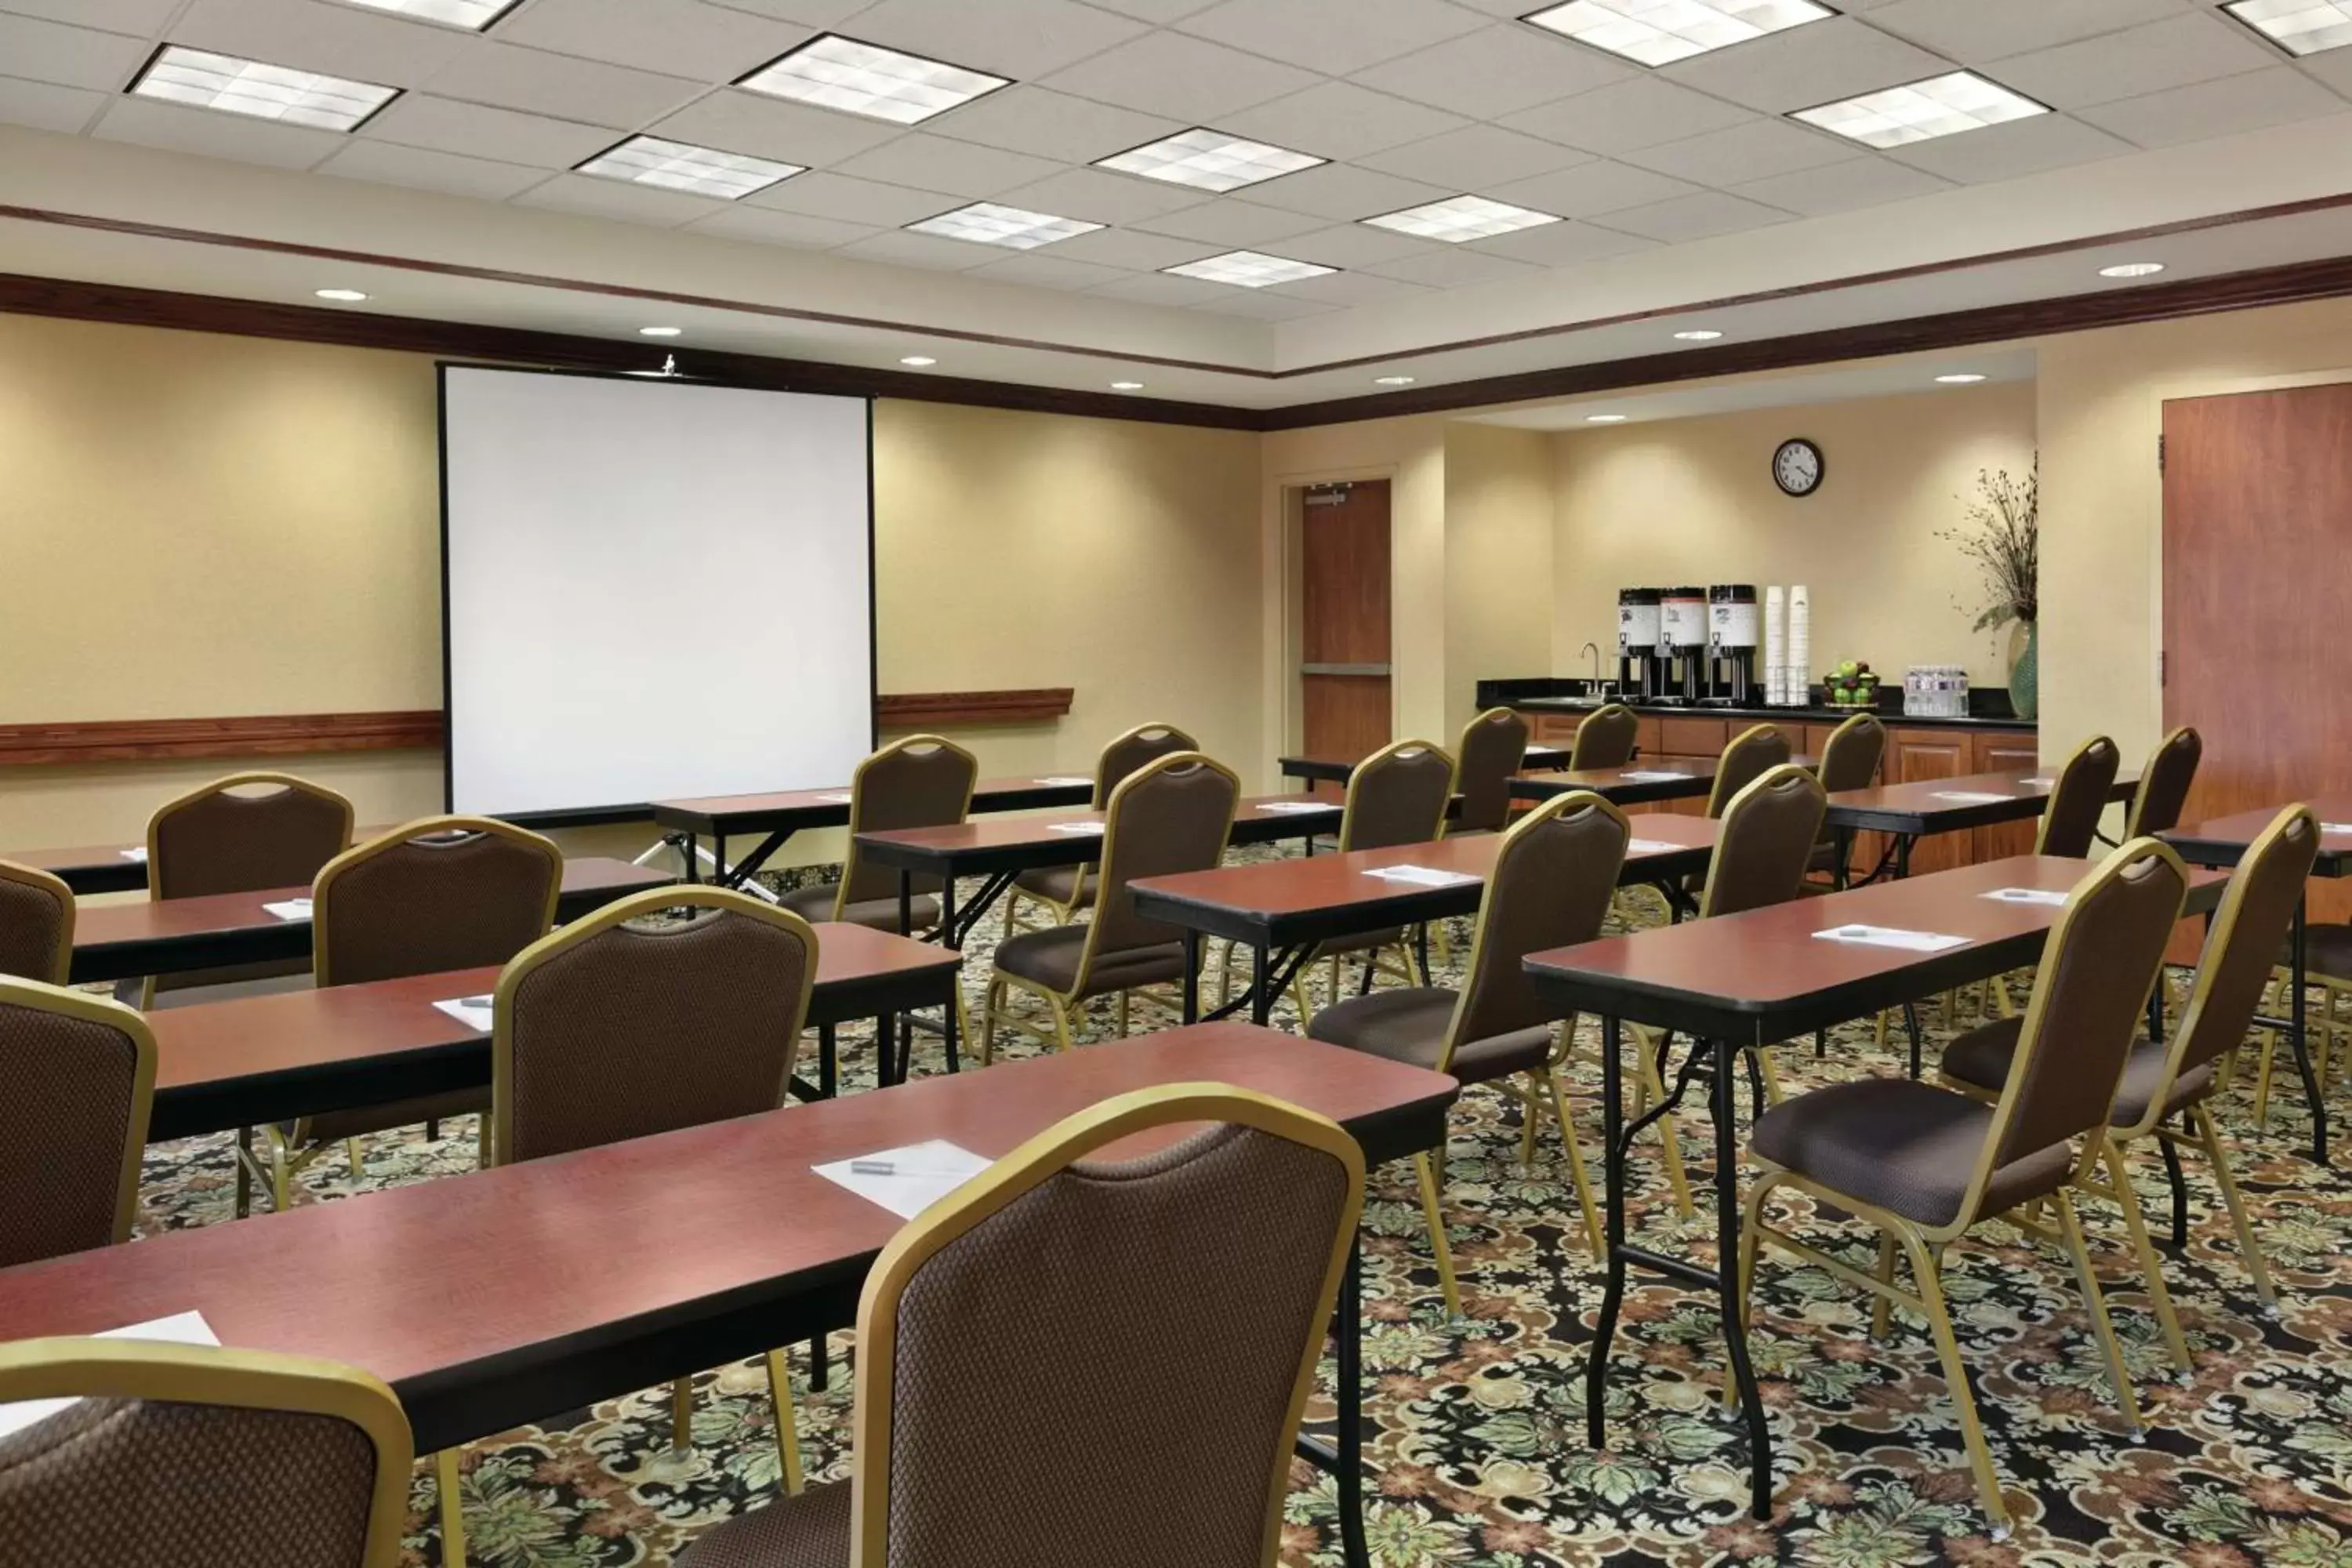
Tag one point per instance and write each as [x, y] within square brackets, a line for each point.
[1554, 728]
[1916, 756]
[2007, 751]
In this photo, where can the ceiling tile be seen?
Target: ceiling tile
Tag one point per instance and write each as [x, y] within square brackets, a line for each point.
[558, 85]
[741, 121]
[2141, 60]
[2213, 108]
[903, 249]
[2006, 152]
[1589, 189]
[141, 18]
[1349, 289]
[1337, 36]
[1562, 244]
[765, 227]
[1340, 120]
[69, 56]
[1101, 196]
[1160, 289]
[1494, 72]
[821, 193]
[1743, 153]
[681, 37]
[1162, 11]
[1455, 266]
[1700, 217]
[1024, 119]
[2334, 67]
[390, 164]
[1023, 39]
[807, 13]
[1627, 115]
[1474, 157]
[44, 105]
[938, 164]
[1189, 79]
[1975, 30]
[625, 200]
[1262, 303]
[419, 120]
[1841, 187]
[1043, 271]
[314, 35]
[1230, 223]
[1358, 245]
[1132, 249]
[211, 135]
[1818, 63]
[1345, 191]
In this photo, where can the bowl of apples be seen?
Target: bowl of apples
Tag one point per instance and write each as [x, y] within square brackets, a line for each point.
[1852, 684]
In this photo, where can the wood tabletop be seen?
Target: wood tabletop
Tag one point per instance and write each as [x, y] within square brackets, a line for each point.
[114, 868]
[1333, 768]
[1764, 975]
[252, 1059]
[1018, 842]
[798, 808]
[2224, 840]
[1644, 781]
[499, 1297]
[1941, 805]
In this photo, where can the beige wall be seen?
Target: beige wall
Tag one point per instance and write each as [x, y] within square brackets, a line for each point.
[1500, 502]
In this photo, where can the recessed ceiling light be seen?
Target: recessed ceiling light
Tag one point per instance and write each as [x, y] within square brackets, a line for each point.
[834, 72]
[1392, 381]
[1941, 106]
[1966, 379]
[2298, 26]
[2133, 270]
[682, 166]
[1127, 387]
[1249, 269]
[474, 15]
[1658, 32]
[1604, 419]
[1698, 335]
[918, 361]
[264, 92]
[1458, 218]
[989, 223]
[1210, 161]
[659, 331]
[347, 296]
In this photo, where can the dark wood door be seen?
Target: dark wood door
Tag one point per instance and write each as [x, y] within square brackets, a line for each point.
[1343, 644]
[2257, 518]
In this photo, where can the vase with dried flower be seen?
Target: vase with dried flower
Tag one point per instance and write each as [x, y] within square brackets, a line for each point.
[2002, 534]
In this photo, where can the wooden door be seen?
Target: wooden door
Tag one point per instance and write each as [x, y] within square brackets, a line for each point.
[1343, 641]
[2257, 517]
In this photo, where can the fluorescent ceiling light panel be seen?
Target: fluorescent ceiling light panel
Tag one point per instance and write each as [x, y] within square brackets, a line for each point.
[834, 72]
[2298, 26]
[681, 167]
[473, 15]
[1249, 269]
[264, 92]
[1210, 161]
[1659, 32]
[1458, 218]
[989, 224]
[1941, 106]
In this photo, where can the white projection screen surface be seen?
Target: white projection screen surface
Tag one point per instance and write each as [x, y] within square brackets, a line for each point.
[652, 589]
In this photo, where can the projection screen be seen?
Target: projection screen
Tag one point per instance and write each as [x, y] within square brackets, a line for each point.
[650, 589]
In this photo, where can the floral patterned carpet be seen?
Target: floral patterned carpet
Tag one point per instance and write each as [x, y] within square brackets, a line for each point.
[1475, 1426]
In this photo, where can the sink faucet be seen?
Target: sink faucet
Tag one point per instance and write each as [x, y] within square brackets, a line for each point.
[1594, 649]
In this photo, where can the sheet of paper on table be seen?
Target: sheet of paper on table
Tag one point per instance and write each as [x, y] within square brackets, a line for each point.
[1298, 808]
[1652, 847]
[1093, 829]
[1650, 776]
[1065, 781]
[1421, 876]
[1973, 796]
[1891, 936]
[2042, 896]
[2335, 828]
[290, 909]
[474, 1012]
[136, 852]
[180, 1328]
[906, 1180]
[833, 797]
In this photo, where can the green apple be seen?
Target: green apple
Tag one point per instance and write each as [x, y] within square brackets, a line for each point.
[1849, 667]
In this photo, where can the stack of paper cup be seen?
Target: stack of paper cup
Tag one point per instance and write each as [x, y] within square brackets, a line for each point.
[1799, 672]
[1776, 647]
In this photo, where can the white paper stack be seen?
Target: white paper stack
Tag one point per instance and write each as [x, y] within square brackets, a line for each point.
[2041, 896]
[1298, 807]
[289, 909]
[1650, 776]
[1776, 647]
[474, 1012]
[906, 1180]
[1799, 672]
[1419, 875]
[1891, 936]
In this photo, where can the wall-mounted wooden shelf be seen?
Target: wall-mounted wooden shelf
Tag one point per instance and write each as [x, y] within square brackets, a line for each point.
[925, 709]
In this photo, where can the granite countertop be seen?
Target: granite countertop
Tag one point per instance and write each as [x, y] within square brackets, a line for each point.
[1817, 714]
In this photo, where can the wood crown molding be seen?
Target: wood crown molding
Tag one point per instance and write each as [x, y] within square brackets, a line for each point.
[916, 711]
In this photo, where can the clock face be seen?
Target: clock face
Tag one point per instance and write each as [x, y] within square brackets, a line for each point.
[1797, 467]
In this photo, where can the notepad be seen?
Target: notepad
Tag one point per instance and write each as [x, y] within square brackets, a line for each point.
[1650, 776]
[1973, 797]
[138, 853]
[1652, 847]
[2039, 783]
[1093, 829]
[180, 1328]
[1062, 781]
[1889, 936]
[906, 1180]
[1421, 876]
[290, 909]
[474, 1012]
[1297, 808]
[2042, 896]
[833, 798]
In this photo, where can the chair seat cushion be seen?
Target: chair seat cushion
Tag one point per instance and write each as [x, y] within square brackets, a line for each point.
[810, 1531]
[1050, 958]
[1900, 1145]
[814, 903]
[1057, 884]
[1981, 1058]
[1410, 1025]
[2327, 951]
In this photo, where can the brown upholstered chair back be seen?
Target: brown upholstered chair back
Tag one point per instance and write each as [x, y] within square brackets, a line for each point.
[1493, 746]
[36, 924]
[443, 892]
[1187, 1290]
[1554, 875]
[1752, 754]
[80, 1072]
[923, 781]
[1850, 757]
[1174, 815]
[1606, 739]
[1397, 795]
[200, 1457]
[2164, 783]
[2070, 822]
[1765, 843]
[1144, 743]
[2250, 930]
[244, 833]
[623, 1024]
[2095, 973]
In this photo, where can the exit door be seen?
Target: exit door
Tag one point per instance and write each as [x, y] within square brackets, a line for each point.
[1343, 670]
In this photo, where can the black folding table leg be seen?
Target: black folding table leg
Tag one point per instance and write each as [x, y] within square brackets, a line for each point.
[817, 1360]
[2179, 1190]
[1727, 1248]
[1612, 1121]
[1191, 976]
[1911, 1027]
[885, 1050]
[947, 1031]
[1261, 983]
[1347, 1355]
[828, 1060]
[2298, 1006]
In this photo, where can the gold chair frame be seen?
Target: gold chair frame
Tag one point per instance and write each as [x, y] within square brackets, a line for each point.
[1064, 914]
[222, 785]
[1401, 965]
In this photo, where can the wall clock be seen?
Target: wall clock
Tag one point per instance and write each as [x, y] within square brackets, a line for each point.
[1798, 468]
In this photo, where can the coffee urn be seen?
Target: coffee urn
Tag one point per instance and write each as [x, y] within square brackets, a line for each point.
[1640, 674]
[1682, 643]
[1732, 638]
